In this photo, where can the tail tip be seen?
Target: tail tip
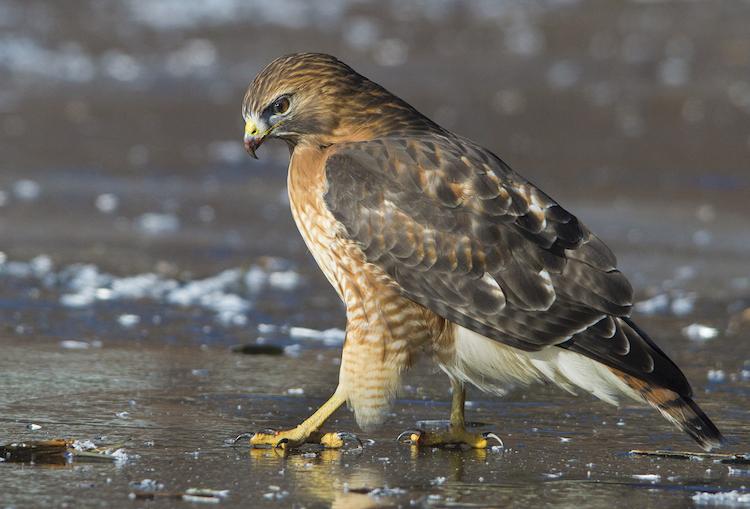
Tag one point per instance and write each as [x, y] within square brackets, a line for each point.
[701, 429]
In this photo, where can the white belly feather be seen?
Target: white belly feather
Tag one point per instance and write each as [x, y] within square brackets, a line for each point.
[495, 367]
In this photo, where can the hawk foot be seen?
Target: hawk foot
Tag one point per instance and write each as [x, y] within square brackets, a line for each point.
[451, 438]
[294, 438]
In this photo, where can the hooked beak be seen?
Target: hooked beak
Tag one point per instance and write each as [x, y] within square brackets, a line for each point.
[253, 138]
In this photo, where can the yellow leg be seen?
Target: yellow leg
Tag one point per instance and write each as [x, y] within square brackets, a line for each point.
[307, 432]
[456, 434]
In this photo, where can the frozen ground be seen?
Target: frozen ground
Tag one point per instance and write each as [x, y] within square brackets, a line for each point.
[142, 251]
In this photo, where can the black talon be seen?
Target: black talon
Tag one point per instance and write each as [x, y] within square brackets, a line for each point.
[238, 438]
[490, 434]
[351, 436]
[409, 432]
[267, 431]
[282, 441]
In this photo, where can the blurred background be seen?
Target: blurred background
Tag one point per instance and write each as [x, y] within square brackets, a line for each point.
[139, 100]
[129, 211]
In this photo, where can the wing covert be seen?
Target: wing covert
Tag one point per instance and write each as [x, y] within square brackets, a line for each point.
[463, 235]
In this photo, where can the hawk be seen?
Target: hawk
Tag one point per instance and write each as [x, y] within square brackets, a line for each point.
[438, 248]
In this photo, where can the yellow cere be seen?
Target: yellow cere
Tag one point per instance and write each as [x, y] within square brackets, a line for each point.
[251, 128]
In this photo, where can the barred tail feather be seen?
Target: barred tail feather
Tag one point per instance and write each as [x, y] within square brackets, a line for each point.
[679, 410]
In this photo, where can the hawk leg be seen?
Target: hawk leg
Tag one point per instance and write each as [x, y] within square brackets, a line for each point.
[456, 434]
[308, 431]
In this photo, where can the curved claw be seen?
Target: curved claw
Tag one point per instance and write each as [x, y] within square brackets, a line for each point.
[239, 437]
[267, 431]
[490, 434]
[281, 443]
[409, 432]
[344, 435]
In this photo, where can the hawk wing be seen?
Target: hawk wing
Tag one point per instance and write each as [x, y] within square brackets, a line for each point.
[463, 235]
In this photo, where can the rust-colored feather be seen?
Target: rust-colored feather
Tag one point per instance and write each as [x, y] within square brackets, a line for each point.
[679, 410]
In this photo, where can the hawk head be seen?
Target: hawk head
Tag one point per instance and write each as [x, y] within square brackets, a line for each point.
[297, 96]
[315, 98]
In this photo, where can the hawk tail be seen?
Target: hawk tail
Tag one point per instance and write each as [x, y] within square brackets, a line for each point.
[681, 411]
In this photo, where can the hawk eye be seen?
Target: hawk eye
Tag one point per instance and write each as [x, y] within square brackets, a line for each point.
[281, 105]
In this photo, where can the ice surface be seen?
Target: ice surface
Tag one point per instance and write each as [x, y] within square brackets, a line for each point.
[229, 151]
[121, 66]
[654, 305]
[286, 280]
[195, 57]
[24, 55]
[146, 484]
[107, 202]
[676, 303]
[153, 223]
[683, 305]
[83, 298]
[723, 498]
[647, 477]
[185, 14]
[215, 293]
[75, 345]
[255, 279]
[698, 332]
[229, 294]
[128, 320]
[330, 337]
[141, 286]
[27, 190]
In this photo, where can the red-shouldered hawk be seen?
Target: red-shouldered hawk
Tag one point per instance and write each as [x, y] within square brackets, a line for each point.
[437, 247]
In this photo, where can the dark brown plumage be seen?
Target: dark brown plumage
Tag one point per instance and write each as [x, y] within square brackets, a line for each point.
[436, 246]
